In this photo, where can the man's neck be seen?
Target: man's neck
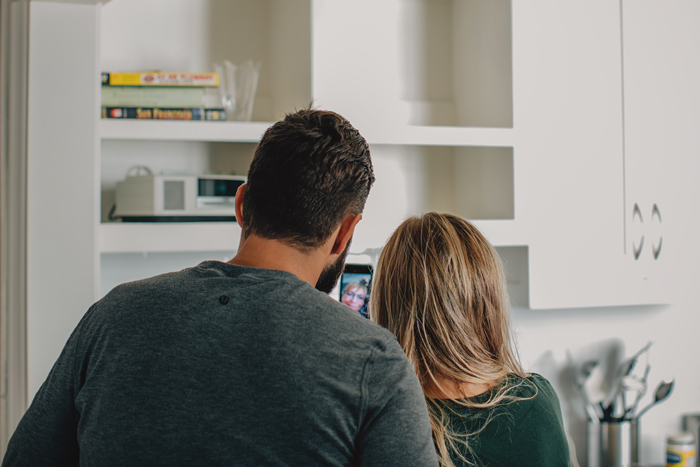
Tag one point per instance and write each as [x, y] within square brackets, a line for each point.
[268, 253]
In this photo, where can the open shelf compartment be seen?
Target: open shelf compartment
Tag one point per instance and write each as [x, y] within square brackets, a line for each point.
[415, 62]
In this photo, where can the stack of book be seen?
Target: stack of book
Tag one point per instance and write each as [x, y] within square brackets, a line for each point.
[162, 96]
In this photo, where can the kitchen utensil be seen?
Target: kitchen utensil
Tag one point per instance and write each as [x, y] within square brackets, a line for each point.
[581, 377]
[632, 388]
[640, 394]
[615, 395]
[596, 387]
[662, 392]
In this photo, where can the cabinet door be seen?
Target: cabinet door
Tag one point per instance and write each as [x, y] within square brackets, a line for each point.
[661, 72]
[568, 148]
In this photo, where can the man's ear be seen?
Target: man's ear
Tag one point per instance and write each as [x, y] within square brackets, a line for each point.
[238, 201]
[347, 229]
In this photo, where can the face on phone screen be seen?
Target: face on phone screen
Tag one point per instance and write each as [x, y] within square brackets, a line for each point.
[355, 285]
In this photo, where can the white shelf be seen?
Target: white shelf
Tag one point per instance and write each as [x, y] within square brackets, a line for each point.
[127, 237]
[251, 132]
[501, 232]
[135, 237]
[159, 130]
[439, 136]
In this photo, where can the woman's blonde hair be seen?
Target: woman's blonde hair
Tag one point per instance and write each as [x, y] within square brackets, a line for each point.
[355, 285]
[439, 287]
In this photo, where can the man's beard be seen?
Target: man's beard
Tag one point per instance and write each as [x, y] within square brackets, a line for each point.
[331, 273]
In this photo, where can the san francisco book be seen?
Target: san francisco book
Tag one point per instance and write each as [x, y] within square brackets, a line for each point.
[155, 113]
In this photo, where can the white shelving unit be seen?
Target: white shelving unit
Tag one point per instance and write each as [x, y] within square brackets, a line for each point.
[116, 237]
[507, 113]
[468, 107]
[460, 161]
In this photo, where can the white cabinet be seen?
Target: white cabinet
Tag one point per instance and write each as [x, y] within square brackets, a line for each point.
[661, 114]
[518, 115]
[568, 148]
[605, 118]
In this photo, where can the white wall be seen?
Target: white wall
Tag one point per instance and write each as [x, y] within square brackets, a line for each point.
[62, 139]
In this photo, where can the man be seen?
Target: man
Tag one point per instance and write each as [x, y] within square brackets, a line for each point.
[243, 363]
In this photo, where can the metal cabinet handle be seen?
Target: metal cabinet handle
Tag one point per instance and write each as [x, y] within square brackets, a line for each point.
[638, 251]
[656, 250]
[638, 212]
[656, 214]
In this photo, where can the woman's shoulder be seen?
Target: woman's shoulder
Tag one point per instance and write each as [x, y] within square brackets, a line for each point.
[517, 396]
[534, 390]
[524, 428]
[540, 381]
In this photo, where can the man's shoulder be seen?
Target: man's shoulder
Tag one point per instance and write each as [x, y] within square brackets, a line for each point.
[151, 284]
[275, 294]
[199, 278]
[346, 324]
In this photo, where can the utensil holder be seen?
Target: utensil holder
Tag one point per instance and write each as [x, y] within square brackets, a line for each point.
[613, 444]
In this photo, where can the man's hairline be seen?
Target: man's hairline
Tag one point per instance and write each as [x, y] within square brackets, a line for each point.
[289, 241]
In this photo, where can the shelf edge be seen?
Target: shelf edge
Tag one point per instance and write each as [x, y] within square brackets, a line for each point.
[118, 237]
[238, 132]
[251, 132]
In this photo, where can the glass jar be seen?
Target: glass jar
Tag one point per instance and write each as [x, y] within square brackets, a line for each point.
[680, 450]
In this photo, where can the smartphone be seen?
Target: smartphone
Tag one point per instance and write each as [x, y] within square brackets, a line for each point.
[355, 286]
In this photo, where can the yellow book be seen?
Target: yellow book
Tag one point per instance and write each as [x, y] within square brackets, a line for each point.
[160, 78]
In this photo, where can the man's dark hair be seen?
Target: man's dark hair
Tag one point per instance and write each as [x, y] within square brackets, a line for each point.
[310, 170]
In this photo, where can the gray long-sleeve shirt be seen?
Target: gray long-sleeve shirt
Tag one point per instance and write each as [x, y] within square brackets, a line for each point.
[225, 365]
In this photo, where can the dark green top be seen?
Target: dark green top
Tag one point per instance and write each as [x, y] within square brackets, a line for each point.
[521, 433]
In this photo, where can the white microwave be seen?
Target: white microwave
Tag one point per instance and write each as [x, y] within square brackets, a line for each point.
[177, 198]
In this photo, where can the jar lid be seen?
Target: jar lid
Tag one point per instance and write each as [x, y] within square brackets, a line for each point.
[683, 437]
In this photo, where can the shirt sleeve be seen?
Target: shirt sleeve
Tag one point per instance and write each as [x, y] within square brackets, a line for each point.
[395, 428]
[47, 433]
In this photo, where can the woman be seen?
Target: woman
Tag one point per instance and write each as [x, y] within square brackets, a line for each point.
[354, 295]
[440, 289]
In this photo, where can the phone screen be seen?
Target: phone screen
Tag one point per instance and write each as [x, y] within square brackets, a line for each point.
[355, 286]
